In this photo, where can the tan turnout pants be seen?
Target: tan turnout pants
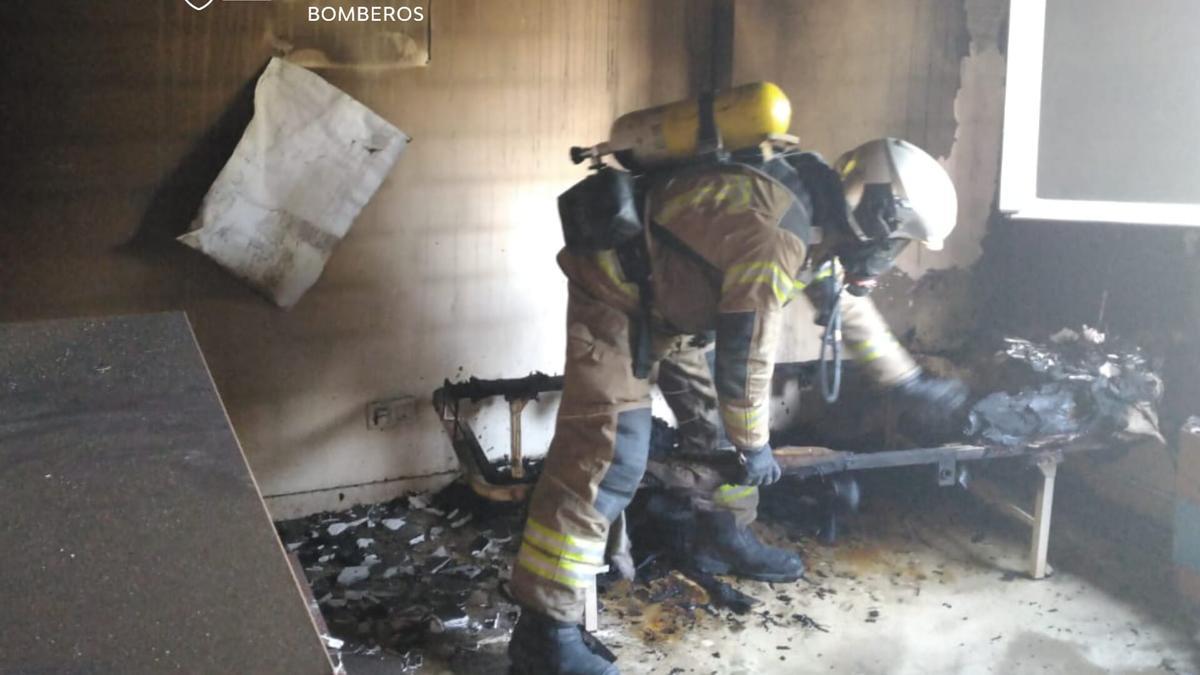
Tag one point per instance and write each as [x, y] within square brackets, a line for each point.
[599, 453]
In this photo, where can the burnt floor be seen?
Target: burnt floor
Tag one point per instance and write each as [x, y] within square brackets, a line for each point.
[922, 580]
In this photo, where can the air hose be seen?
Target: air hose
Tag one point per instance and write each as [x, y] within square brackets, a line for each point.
[831, 345]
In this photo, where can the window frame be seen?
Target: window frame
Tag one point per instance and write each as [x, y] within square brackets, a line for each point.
[1018, 196]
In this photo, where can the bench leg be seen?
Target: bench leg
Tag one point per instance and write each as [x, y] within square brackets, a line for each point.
[1040, 542]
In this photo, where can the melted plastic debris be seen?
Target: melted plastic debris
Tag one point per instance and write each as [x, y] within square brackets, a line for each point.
[393, 589]
[1080, 386]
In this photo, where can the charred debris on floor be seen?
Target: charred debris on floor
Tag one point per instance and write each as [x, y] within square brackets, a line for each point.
[410, 575]
[427, 575]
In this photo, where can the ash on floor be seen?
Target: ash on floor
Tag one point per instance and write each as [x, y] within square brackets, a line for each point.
[416, 578]
[922, 580]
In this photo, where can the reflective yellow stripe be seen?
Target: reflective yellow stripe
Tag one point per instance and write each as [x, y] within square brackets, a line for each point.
[747, 419]
[734, 196]
[861, 346]
[565, 572]
[546, 574]
[564, 545]
[850, 166]
[782, 283]
[729, 494]
[745, 270]
[540, 541]
[607, 260]
[569, 567]
[824, 272]
[866, 351]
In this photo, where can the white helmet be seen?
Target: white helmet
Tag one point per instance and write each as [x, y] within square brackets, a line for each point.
[896, 190]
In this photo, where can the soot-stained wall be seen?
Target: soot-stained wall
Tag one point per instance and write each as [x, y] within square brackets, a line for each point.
[1133, 281]
[930, 71]
[116, 116]
[1136, 283]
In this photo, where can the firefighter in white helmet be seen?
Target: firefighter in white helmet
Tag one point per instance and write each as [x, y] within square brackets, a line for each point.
[727, 245]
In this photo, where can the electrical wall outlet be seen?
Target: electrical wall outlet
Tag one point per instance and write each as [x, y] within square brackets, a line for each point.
[388, 413]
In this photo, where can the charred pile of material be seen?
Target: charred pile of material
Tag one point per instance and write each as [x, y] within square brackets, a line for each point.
[413, 574]
[1075, 387]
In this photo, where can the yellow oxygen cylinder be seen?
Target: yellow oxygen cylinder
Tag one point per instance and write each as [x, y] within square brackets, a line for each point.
[745, 116]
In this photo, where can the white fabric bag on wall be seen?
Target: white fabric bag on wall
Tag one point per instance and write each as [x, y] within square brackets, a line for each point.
[310, 160]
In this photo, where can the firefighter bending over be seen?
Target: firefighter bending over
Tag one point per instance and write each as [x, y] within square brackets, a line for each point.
[720, 248]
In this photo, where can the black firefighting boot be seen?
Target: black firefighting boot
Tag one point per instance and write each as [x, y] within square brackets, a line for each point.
[721, 546]
[542, 646]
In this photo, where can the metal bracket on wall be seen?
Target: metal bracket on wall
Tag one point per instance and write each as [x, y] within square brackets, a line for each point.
[485, 478]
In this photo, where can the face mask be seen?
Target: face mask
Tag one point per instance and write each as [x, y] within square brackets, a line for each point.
[865, 263]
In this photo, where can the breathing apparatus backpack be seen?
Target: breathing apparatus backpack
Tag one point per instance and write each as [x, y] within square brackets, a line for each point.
[601, 211]
[604, 211]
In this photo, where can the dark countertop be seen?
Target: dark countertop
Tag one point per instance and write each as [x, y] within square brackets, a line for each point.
[133, 536]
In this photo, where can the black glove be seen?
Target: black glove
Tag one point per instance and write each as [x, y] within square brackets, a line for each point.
[932, 400]
[759, 467]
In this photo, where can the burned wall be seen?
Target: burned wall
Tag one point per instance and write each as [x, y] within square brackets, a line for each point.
[930, 71]
[1132, 282]
[116, 117]
[1135, 281]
